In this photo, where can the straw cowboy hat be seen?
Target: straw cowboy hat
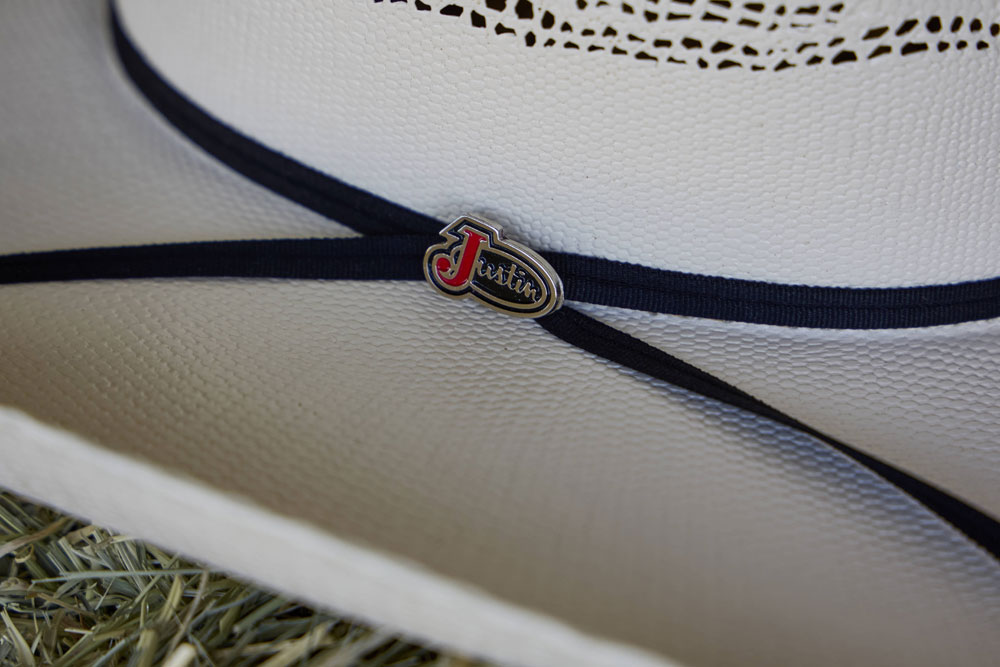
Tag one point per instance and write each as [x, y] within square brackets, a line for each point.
[558, 332]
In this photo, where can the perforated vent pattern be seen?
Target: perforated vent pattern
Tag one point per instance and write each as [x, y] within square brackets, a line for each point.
[758, 36]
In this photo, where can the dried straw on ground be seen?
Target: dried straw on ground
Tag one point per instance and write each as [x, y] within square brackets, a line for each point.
[75, 594]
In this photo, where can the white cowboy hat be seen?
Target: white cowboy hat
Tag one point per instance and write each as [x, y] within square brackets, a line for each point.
[799, 200]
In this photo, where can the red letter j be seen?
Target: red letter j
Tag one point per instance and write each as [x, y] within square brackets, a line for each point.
[466, 258]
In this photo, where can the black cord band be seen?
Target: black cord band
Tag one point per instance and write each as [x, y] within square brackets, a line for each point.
[360, 258]
[586, 280]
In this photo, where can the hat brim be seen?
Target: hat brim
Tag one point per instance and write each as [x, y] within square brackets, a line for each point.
[461, 476]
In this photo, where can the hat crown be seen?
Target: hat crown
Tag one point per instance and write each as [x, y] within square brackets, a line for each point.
[842, 143]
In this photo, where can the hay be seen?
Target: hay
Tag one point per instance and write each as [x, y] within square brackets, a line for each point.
[75, 594]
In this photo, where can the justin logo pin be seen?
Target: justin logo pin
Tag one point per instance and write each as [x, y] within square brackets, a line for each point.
[475, 260]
